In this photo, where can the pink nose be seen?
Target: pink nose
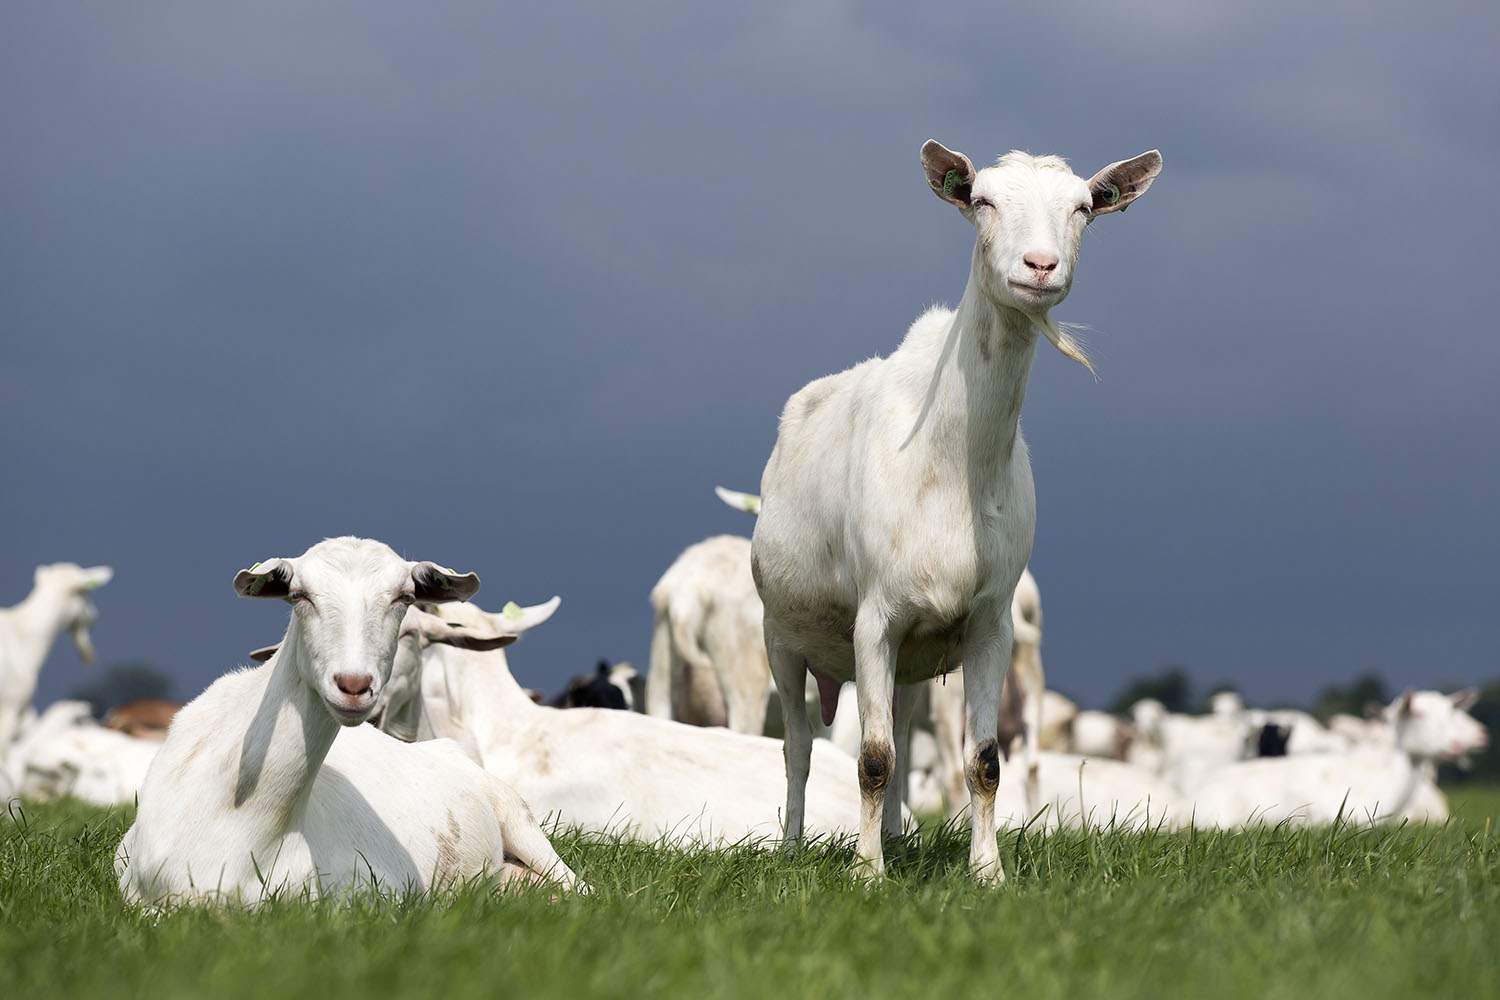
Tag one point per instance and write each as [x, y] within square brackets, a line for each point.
[354, 684]
[1042, 263]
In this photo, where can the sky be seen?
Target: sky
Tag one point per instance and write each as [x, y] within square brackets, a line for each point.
[512, 287]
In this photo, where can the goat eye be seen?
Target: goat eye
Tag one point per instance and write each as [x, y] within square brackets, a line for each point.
[298, 597]
[405, 599]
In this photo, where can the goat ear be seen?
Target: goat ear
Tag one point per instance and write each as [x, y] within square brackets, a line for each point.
[747, 502]
[436, 583]
[96, 576]
[949, 174]
[1119, 184]
[264, 653]
[272, 578]
[456, 634]
[515, 620]
[1465, 699]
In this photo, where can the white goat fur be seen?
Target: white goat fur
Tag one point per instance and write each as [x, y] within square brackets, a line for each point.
[66, 753]
[606, 770]
[1368, 784]
[58, 600]
[897, 506]
[708, 656]
[302, 797]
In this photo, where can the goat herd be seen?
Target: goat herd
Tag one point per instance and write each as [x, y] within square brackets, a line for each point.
[884, 596]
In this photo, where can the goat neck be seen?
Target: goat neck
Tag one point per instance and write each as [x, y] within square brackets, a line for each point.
[285, 743]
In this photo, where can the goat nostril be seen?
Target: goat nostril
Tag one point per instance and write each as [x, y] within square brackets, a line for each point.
[1046, 263]
[353, 684]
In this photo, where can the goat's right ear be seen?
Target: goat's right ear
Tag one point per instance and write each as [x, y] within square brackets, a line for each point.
[949, 173]
[264, 653]
[436, 584]
[272, 578]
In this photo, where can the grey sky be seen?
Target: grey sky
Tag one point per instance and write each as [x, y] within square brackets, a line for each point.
[513, 289]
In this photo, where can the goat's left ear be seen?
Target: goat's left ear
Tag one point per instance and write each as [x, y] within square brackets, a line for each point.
[1119, 184]
[1465, 699]
[436, 584]
[264, 653]
[272, 578]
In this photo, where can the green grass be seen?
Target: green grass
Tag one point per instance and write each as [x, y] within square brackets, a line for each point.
[1267, 914]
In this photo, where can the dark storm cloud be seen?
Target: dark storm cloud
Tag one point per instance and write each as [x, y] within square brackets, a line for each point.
[513, 289]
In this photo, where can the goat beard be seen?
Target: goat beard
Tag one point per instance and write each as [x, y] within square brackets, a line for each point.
[1063, 341]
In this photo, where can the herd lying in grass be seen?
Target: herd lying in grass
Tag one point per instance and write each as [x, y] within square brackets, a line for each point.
[887, 572]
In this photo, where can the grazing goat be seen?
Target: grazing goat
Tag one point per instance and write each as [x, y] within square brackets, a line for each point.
[58, 600]
[623, 772]
[897, 506]
[268, 782]
[1366, 785]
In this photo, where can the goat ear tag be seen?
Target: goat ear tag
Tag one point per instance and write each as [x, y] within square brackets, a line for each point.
[951, 181]
[512, 611]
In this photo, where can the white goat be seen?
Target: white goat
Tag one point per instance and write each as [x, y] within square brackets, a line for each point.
[1367, 785]
[58, 600]
[84, 760]
[897, 506]
[605, 770]
[1076, 791]
[708, 657]
[1100, 734]
[303, 797]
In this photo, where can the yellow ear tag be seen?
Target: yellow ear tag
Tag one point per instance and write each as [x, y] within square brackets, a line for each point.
[512, 611]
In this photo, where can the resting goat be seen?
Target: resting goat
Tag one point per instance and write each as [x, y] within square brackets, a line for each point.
[268, 782]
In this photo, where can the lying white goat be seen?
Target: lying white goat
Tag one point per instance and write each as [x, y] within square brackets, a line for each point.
[58, 600]
[1076, 791]
[605, 770]
[85, 761]
[1367, 785]
[301, 796]
[897, 506]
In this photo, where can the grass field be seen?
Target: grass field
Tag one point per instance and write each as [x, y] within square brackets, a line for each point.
[1277, 913]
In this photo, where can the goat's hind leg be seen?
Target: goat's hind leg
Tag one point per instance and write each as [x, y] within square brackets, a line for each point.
[789, 671]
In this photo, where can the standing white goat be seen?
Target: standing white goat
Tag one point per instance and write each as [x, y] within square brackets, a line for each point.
[605, 770]
[302, 796]
[897, 506]
[58, 600]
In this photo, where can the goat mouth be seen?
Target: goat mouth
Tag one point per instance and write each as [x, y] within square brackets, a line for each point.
[1038, 290]
[347, 714]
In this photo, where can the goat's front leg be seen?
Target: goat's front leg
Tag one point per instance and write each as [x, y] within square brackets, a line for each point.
[985, 657]
[874, 684]
[789, 671]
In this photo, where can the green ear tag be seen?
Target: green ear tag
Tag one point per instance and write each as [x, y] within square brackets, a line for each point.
[1111, 195]
[512, 611]
[951, 180]
[753, 504]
